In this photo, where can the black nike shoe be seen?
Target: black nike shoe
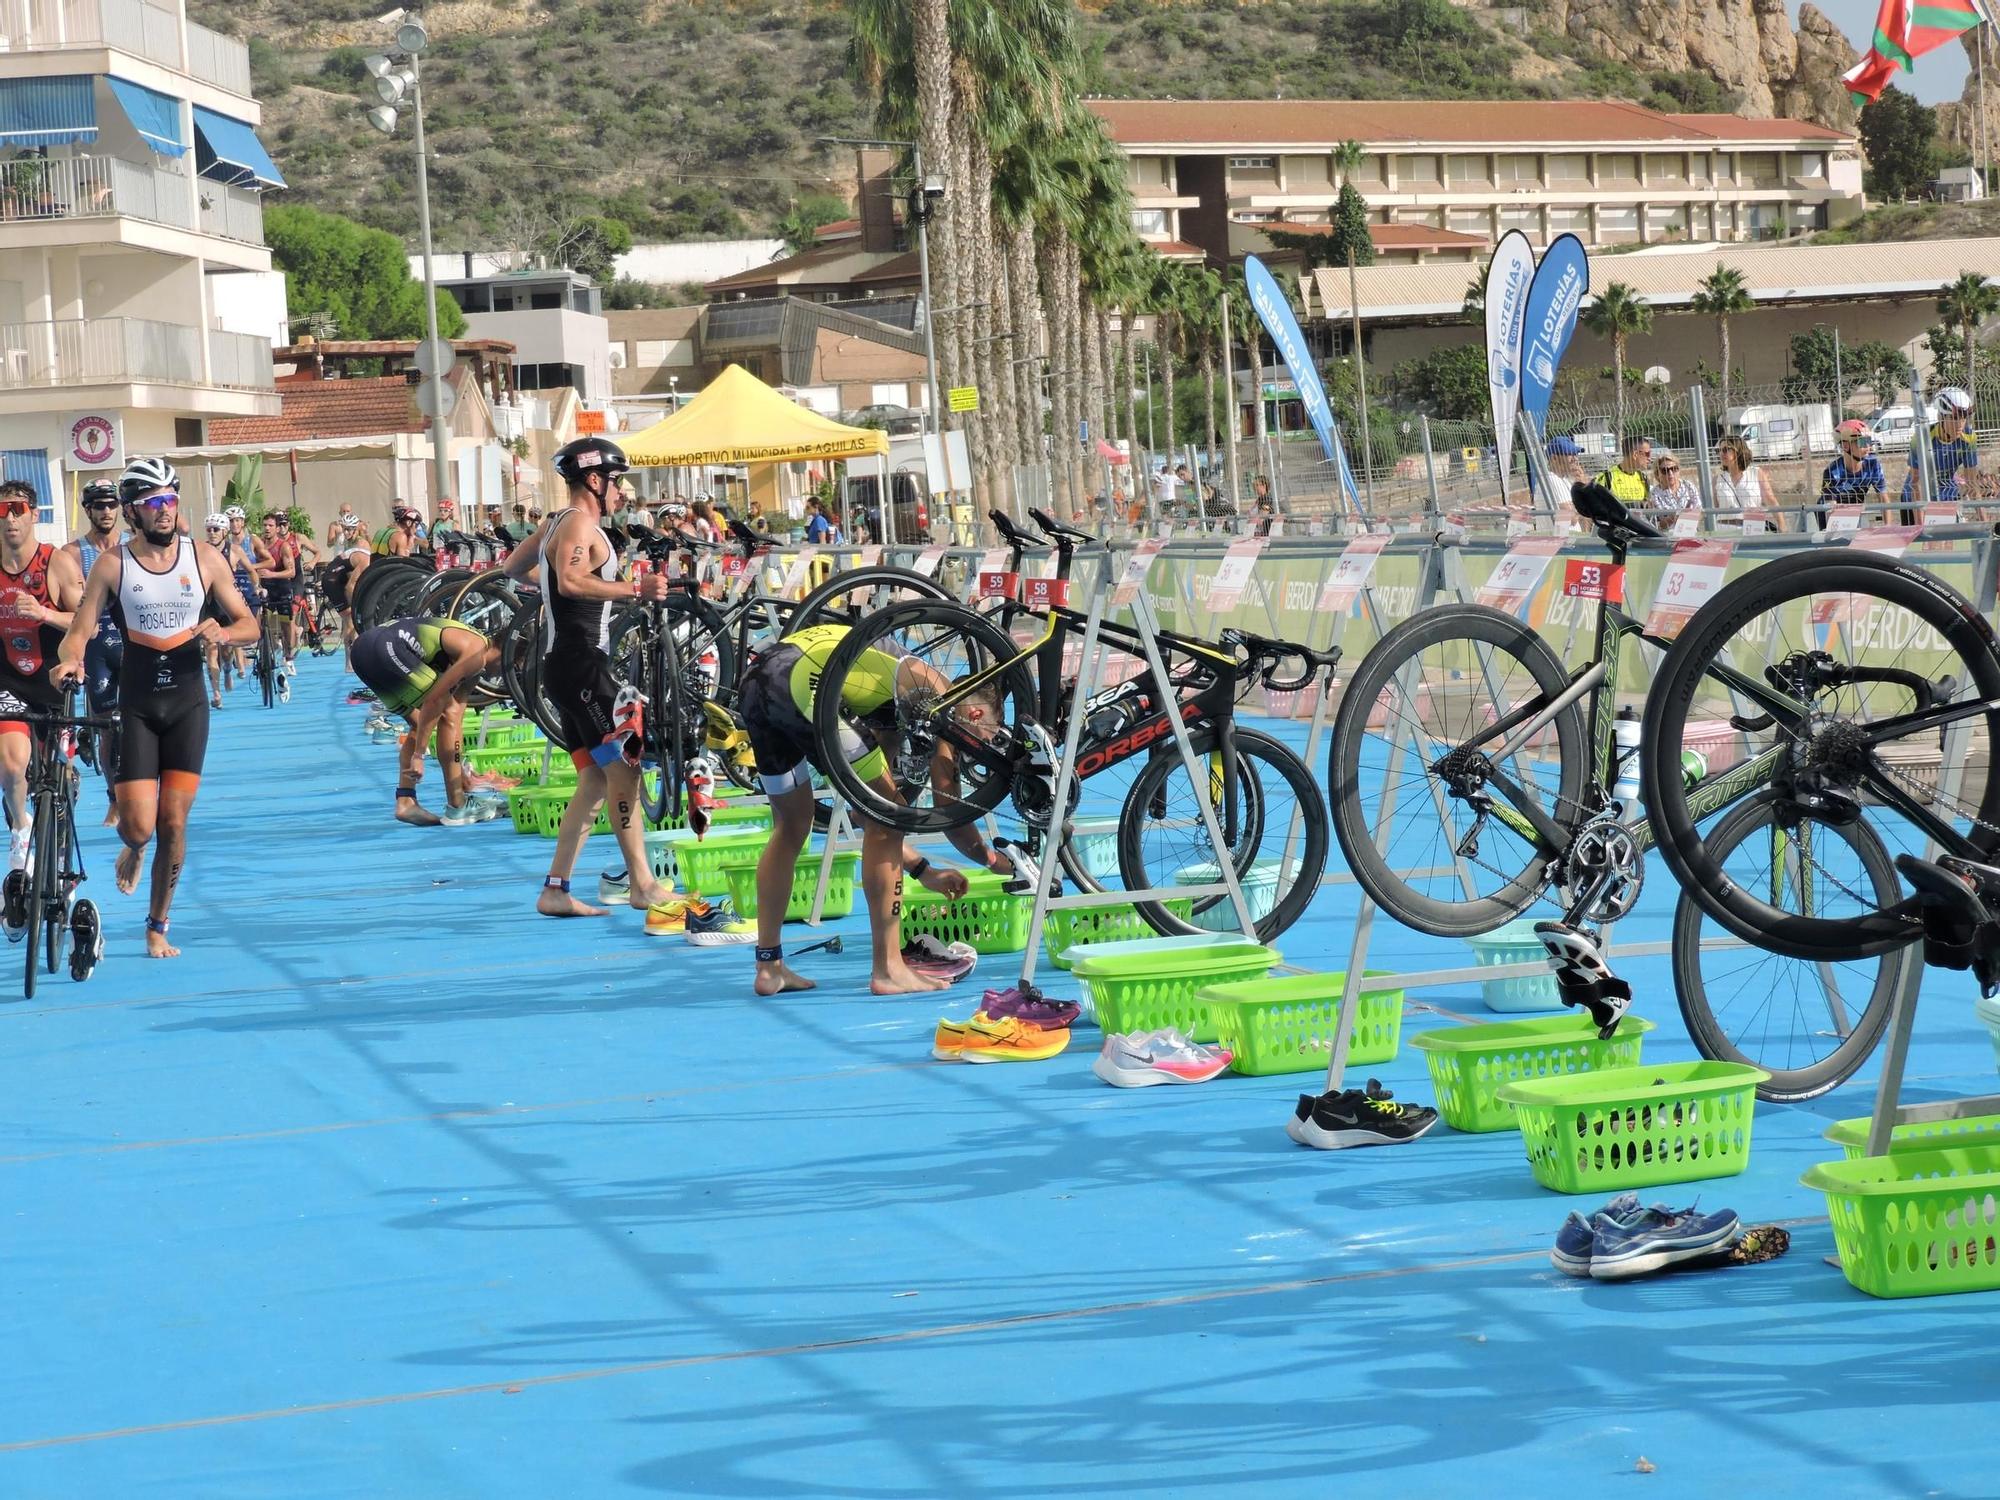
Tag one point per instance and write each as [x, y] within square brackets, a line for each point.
[1357, 1117]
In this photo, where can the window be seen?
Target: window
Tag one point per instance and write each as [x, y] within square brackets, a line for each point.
[1618, 222]
[1618, 166]
[540, 300]
[1253, 163]
[1255, 216]
[1150, 222]
[1574, 221]
[1467, 171]
[1698, 166]
[1417, 170]
[1812, 164]
[1758, 168]
[1469, 220]
[31, 466]
[1667, 167]
[473, 299]
[1666, 223]
[1368, 173]
[1568, 166]
[1517, 169]
[1527, 220]
[1430, 218]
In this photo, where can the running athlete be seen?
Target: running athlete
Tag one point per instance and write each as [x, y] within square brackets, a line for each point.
[215, 531]
[424, 669]
[101, 658]
[350, 560]
[279, 574]
[39, 587]
[600, 720]
[777, 702]
[245, 554]
[156, 587]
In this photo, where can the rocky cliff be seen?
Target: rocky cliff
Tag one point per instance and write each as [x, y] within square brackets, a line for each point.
[1749, 46]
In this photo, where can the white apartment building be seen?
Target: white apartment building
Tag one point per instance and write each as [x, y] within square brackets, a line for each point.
[1446, 179]
[553, 318]
[130, 178]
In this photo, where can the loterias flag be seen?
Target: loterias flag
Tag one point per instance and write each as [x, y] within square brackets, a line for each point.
[1904, 31]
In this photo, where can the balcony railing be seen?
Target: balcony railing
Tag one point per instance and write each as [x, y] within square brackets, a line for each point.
[111, 351]
[144, 27]
[97, 187]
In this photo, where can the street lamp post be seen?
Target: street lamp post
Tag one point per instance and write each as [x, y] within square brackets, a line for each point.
[398, 75]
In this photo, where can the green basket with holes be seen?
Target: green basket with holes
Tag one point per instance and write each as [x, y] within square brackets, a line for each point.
[740, 875]
[1148, 989]
[538, 809]
[1469, 1064]
[985, 917]
[1637, 1127]
[1286, 1023]
[1916, 1223]
[1919, 1135]
[700, 861]
[1063, 930]
[518, 762]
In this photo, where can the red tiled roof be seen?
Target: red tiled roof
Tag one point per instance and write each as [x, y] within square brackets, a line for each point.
[1321, 124]
[1176, 250]
[838, 229]
[328, 409]
[904, 267]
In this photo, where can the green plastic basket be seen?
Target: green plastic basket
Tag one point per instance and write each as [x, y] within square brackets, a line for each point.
[1468, 1064]
[1150, 989]
[1637, 1127]
[700, 862]
[1063, 930]
[985, 917]
[1916, 1223]
[741, 876]
[521, 762]
[537, 809]
[1924, 1135]
[1286, 1023]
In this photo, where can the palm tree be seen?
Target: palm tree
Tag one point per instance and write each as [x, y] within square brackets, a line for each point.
[1968, 302]
[1721, 295]
[1617, 313]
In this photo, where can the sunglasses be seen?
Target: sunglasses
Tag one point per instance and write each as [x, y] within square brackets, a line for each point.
[12, 507]
[160, 501]
[1670, 468]
[100, 505]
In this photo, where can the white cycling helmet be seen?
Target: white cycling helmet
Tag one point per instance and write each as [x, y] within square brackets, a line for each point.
[235, 513]
[144, 475]
[216, 521]
[1954, 399]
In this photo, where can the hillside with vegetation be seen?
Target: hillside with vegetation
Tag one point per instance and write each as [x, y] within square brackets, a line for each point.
[687, 119]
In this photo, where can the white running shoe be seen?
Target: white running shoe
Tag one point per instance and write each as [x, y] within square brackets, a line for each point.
[614, 886]
[462, 816]
[1139, 1059]
[17, 849]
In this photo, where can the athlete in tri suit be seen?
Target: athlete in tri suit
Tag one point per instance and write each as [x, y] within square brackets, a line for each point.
[279, 574]
[600, 721]
[157, 586]
[101, 658]
[777, 703]
[38, 590]
[350, 560]
[423, 669]
[245, 554]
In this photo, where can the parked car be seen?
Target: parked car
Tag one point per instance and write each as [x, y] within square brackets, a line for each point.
[1782, 431]
[897, 421]
[1891, 426]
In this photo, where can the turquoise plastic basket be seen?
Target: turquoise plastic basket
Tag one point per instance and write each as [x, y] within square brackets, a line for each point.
[1516, 943]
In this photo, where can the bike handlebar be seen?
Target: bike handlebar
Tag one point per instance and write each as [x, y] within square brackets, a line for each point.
[1265, 655]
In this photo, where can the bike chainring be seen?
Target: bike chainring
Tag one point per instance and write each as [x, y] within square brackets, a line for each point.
[1605, 860]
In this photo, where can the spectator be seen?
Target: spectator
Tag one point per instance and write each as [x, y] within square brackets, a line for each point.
[704, 521]
[1260, 489]
[1671, 489]
[1267, 513]
[1954, 455]
[1165, 486]
[1626, 479]
[1565, 470]
[1741, 486]
[1856, 476]
[819, 529]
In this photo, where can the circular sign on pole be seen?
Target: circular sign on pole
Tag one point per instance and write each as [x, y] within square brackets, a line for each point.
[434, 356]
[436, 399]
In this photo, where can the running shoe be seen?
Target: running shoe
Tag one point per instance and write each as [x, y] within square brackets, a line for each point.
[718, 927]
[614, 885]
[17, 849]
[1658, 1238]
[1140, 1059]
[669, 918]
[1357, 1117]
[1049, 1015]
[14, 905]
[490, 804]
[985, 1041]
[463, 816]
[1576, 1239]
[284, 688]
[936, 959]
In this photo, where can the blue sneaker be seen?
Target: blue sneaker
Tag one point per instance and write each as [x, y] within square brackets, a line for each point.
[1663, 1237]
[1576, 1239]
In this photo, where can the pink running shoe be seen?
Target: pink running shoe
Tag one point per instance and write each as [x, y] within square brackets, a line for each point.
[1142, 1058]
[1049, 1015]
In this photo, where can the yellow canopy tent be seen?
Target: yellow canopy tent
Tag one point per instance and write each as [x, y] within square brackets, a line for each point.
[741, 420]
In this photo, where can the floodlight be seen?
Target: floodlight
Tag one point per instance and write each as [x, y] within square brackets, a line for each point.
[383, 118]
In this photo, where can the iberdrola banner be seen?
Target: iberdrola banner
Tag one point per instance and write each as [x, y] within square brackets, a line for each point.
[1508, 276]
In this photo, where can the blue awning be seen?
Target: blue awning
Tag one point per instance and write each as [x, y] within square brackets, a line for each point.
[156, 116]
[229, 151]
[47, 112]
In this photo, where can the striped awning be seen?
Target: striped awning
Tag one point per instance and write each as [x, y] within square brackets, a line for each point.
[47, 112]
[156, 116]
[228, 151]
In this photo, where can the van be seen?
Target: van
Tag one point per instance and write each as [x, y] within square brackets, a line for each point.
[1891, 426]
[861, 494]
[1775, 432]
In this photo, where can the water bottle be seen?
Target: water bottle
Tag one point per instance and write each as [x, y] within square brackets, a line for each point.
[1625, 736]
[1118, 711]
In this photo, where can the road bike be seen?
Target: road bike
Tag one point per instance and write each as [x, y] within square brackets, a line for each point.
[980, 728]
[1472, 775]
[269, 666]
[40, 901]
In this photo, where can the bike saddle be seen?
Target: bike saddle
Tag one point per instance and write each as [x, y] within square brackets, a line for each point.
[1959, 930]
[744, 534]
[1598, 504]
[1052, 527]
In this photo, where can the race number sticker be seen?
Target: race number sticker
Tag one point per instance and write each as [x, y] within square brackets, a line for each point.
[1225, 592]
[1519, 573]
[1041, 593]
[1350, 575]
[1136, 566]
[1756, 522]
[1687, 523]
[1694, 572]
[1583, 579]
[1890, 541]
[1841, 518]
[928, 560]
[1940, 513]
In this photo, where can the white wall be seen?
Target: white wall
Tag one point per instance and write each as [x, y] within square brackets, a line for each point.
[554, 335]
[696, 260]
[251, 302]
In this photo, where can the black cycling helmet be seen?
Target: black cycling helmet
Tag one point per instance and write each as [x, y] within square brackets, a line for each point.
[590, 455]
[99, 490]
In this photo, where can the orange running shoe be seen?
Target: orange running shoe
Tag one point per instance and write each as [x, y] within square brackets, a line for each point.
[983, 1039]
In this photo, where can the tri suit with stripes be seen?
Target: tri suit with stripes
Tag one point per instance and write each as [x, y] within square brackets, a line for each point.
[161, 699]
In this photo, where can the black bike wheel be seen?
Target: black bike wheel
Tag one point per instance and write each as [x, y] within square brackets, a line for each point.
[850, 597]
[1808, 1023]
[1273, 822]
[41, 877]
[1434, 860]
[1874, 613]
[267, 664]
[673, 694]
[891, 710]
[487, 603]
[370, 591]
